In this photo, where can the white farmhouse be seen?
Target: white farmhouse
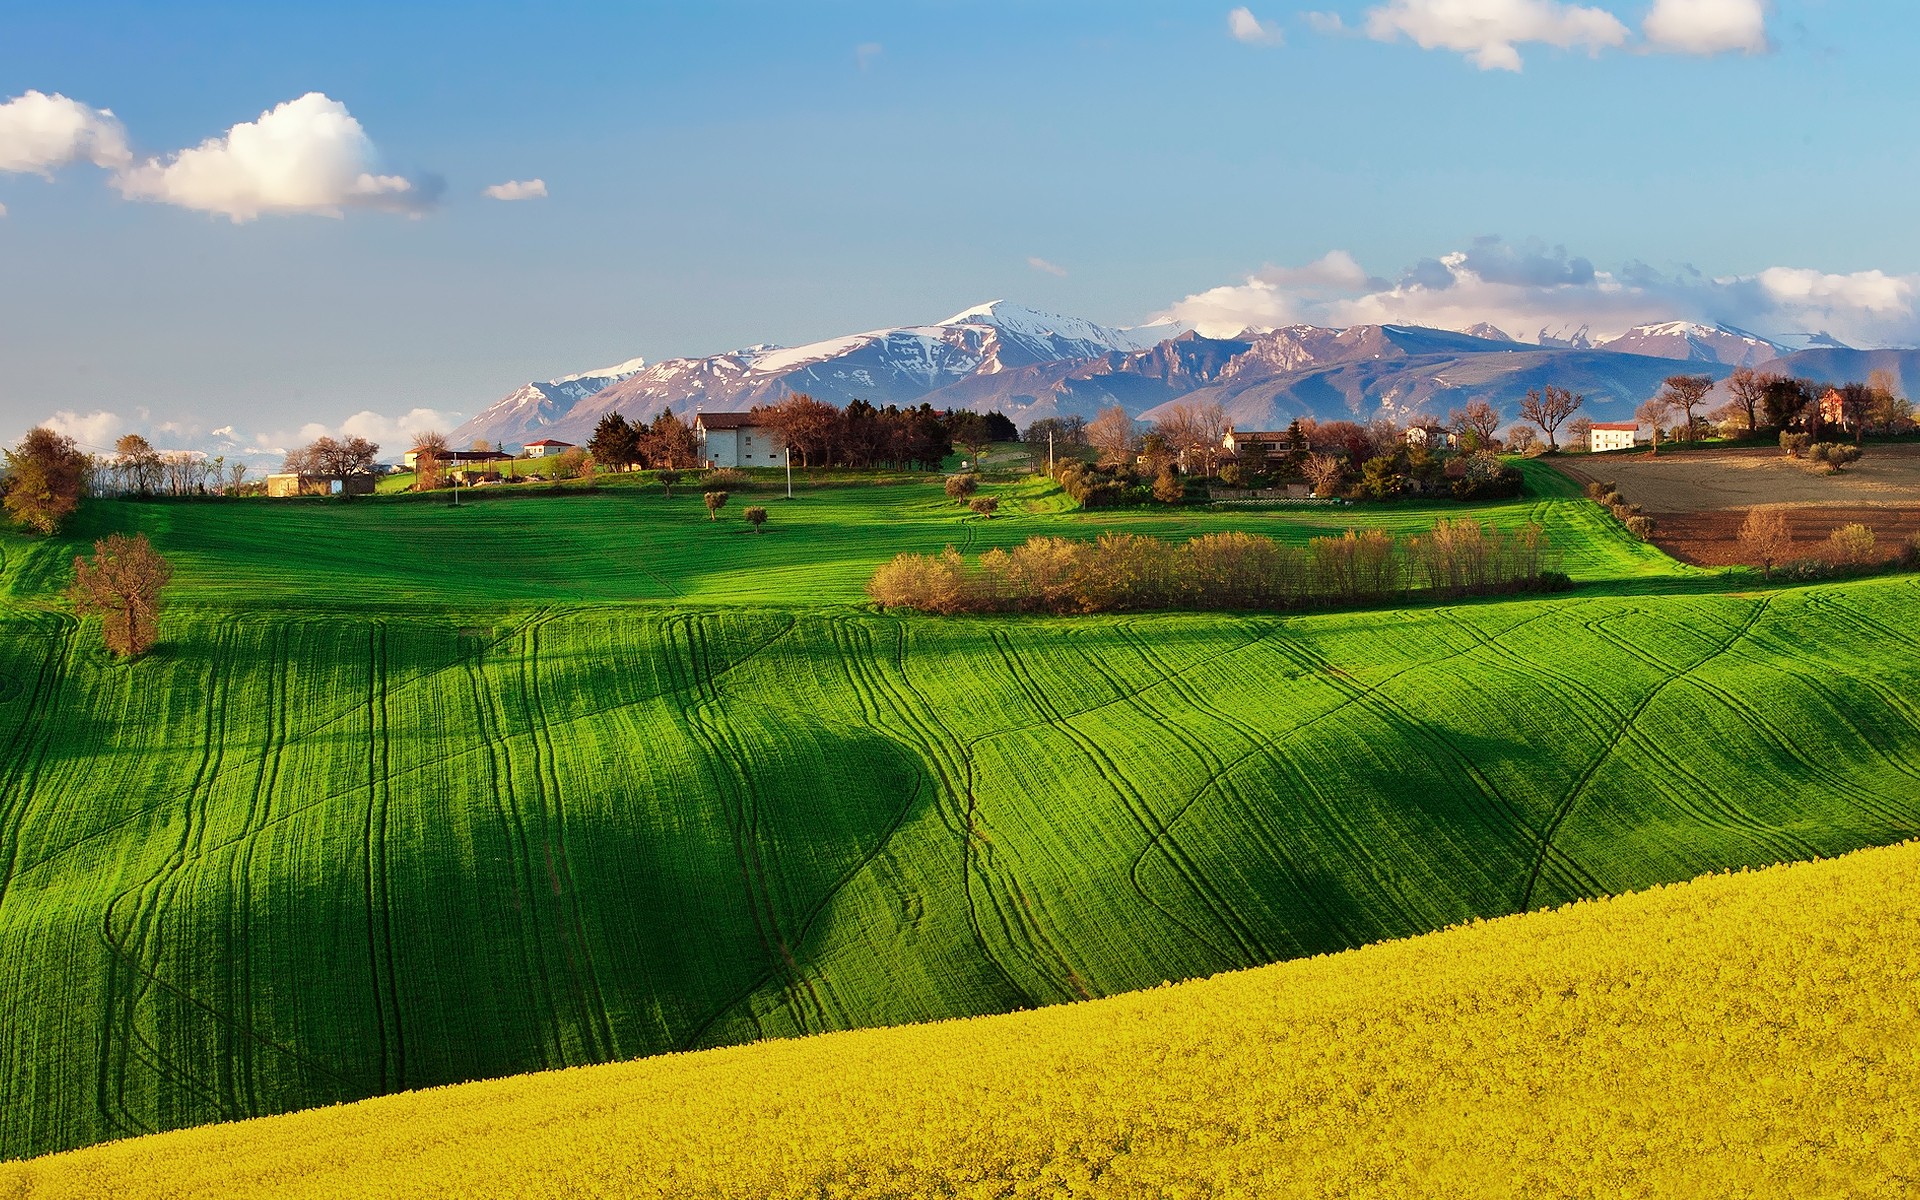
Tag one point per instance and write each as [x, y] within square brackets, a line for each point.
[1612, 435]
[733, 439]
[547, 448]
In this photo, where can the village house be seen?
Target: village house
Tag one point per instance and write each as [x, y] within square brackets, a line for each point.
[547, 448]
[1432, 436]
[1612, 435]
[1255, 449]
[736, 439]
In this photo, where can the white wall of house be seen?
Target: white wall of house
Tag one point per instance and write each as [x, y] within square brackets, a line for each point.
[549, 450]
[1600, 440]
[748, 446]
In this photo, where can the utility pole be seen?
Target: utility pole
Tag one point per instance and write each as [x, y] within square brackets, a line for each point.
[1049, 451]
[789, 472]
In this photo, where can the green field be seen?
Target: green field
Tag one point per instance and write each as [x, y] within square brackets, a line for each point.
[412, 795]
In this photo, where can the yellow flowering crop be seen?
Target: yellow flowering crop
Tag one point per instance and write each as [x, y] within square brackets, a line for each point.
[1749, 1035]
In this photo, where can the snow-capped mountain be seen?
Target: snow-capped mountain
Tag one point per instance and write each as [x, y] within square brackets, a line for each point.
[533, 407]
[1692, 342]
[902, 365]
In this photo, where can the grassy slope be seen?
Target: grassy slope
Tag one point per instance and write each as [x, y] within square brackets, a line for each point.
[1751, 1035]
[381, 813]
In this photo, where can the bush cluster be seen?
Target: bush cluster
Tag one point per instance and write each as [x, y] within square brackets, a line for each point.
[1608, 496]
[1832, 456]
[1124, 572]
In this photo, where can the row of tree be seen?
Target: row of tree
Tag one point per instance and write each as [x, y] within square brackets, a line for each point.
[1122, 572]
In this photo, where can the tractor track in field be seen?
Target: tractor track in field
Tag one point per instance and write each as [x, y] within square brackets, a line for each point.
[591, 995]
[1839, 783]
[734, 788]
[26, 750]
[388, 1025]
[1565, 808]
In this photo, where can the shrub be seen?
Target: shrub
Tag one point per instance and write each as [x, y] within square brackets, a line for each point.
[1795, 444]
[959, 487]
[1167, 488]
[715, 502]
[721, 478]
[755, 516]
[1640, 527]
[983, 506]
[1851, 545]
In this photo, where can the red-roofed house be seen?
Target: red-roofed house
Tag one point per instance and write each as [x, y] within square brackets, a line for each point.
[547, 448]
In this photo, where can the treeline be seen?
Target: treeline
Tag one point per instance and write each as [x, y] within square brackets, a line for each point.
[1124, 572]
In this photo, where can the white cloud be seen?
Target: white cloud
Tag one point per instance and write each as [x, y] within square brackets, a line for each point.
[518, 189]
[1489, 32]
[41, 133]
[1041, 264]
[96, 431]
[1707, 26]
[1530, 290]
[866, 52]
[1245, 27]
[305, 156]
[3, 210]
[393, 433]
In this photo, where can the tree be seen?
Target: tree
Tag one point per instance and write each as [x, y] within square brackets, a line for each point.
[983, 506]
[1580, 432]
[1783, 401]
[46, 476]
[1324, 472]
[1477, 421]
[1379, 477]
[1748, 387]
[669, 442]
[715, 502]
[236, 472]
[332, 458]
[1167, 488]
[614, 443]
[1521, 439]
[1684, 394]
[969, 431]
[1764, 539]
[755, 516]
[1654, 411]
[1066, 431]
[139, 462]
[429, 459]
[1112, 433]
[1550, 406]
[805, 423]
[1856, 401]
[122, 585]
[959, 487]
[1194, 429]
[667, 479]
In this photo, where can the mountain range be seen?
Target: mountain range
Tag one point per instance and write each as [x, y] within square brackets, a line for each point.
[1030, 365]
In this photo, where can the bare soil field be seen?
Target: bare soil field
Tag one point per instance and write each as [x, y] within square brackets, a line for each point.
[1698, 499]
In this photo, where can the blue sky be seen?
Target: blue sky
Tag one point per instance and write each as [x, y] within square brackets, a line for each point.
[719, 174]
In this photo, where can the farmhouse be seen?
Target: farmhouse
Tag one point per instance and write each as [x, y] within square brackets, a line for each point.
[1255, 448]
[547, 448]
[1612, 435]
[735, 439]
[320, 485]
[1433, 437]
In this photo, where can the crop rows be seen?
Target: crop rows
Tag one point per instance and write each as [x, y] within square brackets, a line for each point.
[295, 859]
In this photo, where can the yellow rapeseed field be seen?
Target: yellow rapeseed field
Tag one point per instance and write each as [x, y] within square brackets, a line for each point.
[1739, 1036]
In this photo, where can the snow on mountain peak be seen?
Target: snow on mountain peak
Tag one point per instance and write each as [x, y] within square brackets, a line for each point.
[632, 366]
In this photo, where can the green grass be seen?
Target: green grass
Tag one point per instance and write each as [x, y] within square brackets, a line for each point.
[410, 796]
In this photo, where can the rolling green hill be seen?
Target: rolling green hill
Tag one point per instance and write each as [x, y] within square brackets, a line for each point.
[410, 796]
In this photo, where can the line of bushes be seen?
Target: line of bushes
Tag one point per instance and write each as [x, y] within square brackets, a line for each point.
[1124, 572]
[1608, 496]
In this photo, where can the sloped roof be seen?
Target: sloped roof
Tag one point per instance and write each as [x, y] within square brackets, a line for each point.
[726, 420]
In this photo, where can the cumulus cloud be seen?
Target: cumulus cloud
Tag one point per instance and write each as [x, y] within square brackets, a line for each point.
[1247, 28]
[95, 430]
[1532, 290]
[393, 433]
[1707, 26]
[518, 189]
[1489, 32]
[41, 133]
[304, 156]
[1042, 265]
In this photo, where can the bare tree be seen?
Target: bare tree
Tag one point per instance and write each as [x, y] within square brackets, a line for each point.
[333, 458]
[139, 462]
[1748, 387]
[429, 459]
[122, 584]
[1112, 433]
[1194, 429]
[1323, 471]
[1765, 539]
[1684, 394]
[1548, 407]
[715, 502]
[236, 473]
[1654, 411]
[1478, 419]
